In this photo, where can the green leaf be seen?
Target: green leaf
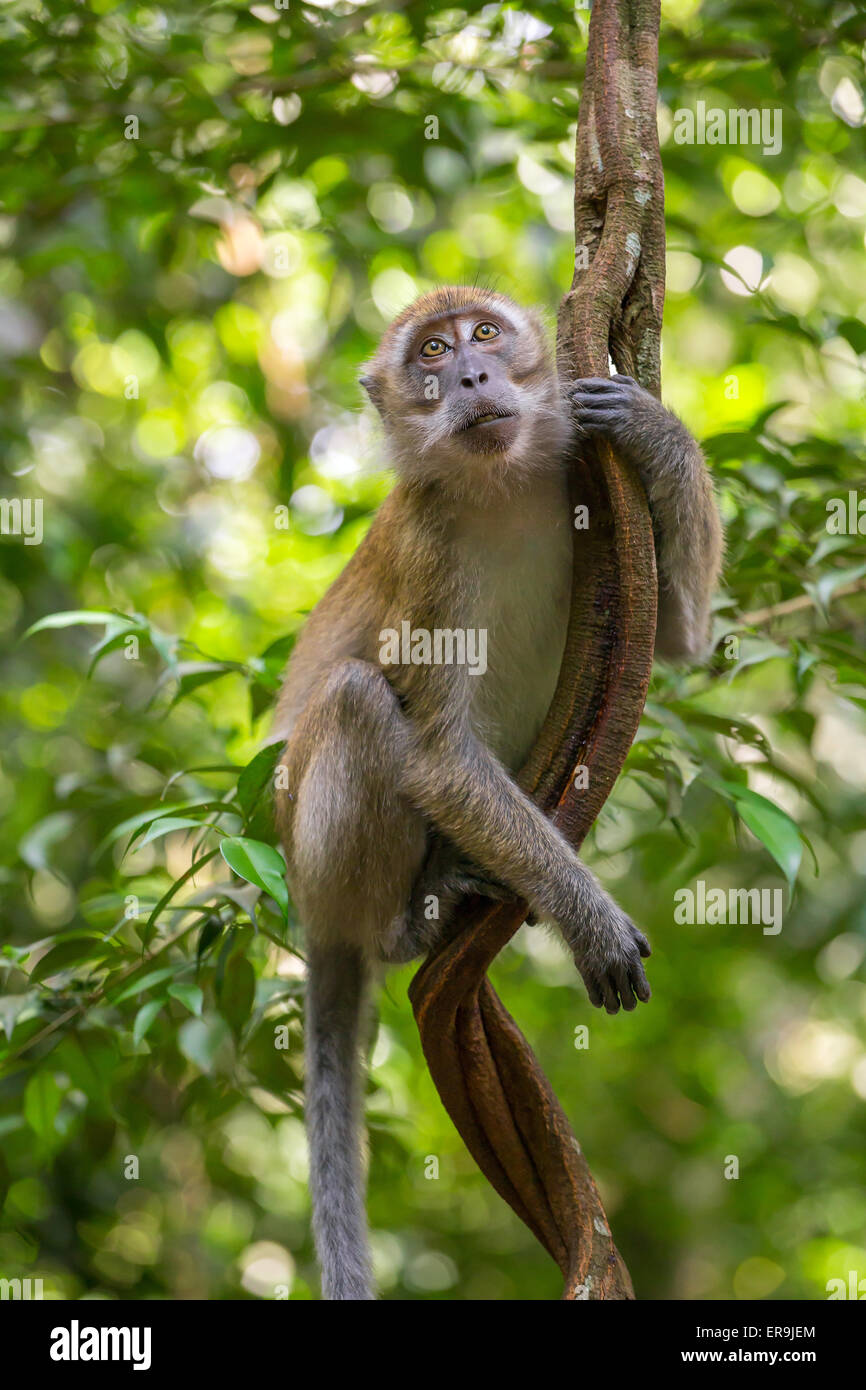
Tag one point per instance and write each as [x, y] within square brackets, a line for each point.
[854, 332]
[189, 995]
[133, 823]
[166, 645]
[826, 586]
[154, 977]
[41, 1103]
[237, 992]
[740, 729]
[206, 1042]
[205, 767]
[259, 864]
[775, 829]
[754, 650]
[201, 674]
[35, 848]
[144, 1018]
[165, 826]
[11, 1007]
[67, 955]
[209, 934]
[788, 323]
[113, 639]
[175, 888]
[278, 653]
[73, 616]
[256, 776]
[90, 1058]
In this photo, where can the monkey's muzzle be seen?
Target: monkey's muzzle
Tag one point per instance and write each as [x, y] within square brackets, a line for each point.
[491, 429]
[486, 417]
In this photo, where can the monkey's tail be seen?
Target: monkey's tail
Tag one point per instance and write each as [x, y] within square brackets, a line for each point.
[336, 994]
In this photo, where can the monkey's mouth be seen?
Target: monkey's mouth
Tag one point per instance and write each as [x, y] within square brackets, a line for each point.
[486, 417]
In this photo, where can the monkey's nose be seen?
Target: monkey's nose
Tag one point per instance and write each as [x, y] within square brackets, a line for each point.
[474, 379]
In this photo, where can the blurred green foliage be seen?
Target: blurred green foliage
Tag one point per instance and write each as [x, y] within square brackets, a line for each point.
[208, 214]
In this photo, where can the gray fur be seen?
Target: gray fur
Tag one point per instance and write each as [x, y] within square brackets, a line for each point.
[336, 995]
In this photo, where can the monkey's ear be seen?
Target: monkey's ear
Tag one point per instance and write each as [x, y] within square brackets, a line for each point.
[373, 386]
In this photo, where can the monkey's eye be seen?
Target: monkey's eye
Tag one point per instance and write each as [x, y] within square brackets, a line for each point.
[485, 331]
[434, 347]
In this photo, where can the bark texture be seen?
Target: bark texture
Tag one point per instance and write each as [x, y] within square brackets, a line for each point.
[486, 1074]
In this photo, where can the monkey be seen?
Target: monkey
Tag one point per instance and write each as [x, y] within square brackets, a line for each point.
[400, 788]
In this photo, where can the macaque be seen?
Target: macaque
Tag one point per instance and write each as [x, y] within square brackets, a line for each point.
[400, 768]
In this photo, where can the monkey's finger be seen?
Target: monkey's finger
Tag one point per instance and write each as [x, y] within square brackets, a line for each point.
[592, 383]
[599, 408]
[611, 998]
[602, 405]
[626, 993]
[642, 943]
[601, 390]
[592, 989]
[597, 424]
[640, 983]
[597, 419]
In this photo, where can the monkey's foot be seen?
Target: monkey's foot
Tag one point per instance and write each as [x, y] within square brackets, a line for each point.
[406, 939]
[467, 879]
[413, 933]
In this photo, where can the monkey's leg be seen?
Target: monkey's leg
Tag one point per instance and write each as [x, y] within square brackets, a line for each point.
[446, 877]
[354, 845]
[472, 800]
[679, 489]
[353, 840]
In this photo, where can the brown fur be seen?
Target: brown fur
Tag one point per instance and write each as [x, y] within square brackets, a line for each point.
[401, 793]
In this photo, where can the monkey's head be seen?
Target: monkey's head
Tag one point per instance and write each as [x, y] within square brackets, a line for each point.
[466, 387]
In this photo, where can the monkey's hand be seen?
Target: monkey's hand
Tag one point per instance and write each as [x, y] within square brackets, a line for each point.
[634, 421]
[611, 966]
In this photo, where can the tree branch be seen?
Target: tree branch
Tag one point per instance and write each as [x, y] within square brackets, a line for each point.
[800, 604]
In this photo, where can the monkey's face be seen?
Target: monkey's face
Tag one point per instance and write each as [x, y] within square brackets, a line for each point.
[465, 387]
[460, 368]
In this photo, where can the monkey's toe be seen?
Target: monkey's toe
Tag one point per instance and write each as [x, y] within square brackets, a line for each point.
[473, 881]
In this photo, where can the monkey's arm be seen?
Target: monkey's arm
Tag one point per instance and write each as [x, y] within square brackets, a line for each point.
[456, 782]
[688, 532]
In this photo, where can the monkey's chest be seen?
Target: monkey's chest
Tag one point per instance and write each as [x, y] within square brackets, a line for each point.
[522, 601]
